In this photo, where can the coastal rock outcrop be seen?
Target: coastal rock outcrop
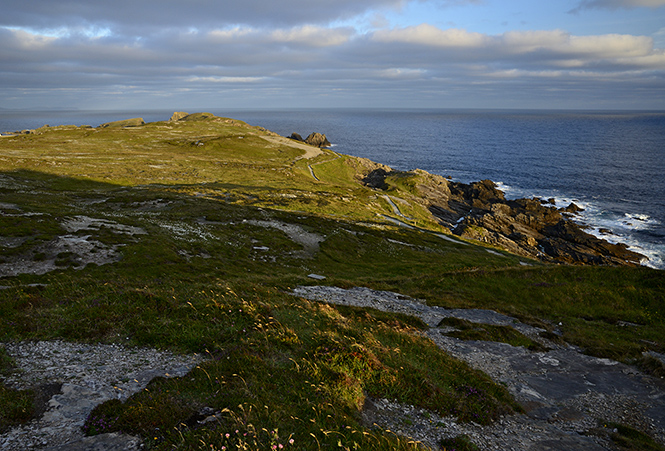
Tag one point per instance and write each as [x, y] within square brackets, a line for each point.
[177, 116]
[317, 139]
[314, 139]
[526, 227]
[133, 122]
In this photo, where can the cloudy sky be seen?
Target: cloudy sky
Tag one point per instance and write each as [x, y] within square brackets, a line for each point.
[177, 54]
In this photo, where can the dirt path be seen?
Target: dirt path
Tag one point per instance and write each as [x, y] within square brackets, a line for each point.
[310, 151]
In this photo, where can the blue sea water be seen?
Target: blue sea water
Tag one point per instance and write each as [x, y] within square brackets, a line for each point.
[610, 163]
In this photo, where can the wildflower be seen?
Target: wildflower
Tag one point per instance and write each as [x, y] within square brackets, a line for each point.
[291, 442]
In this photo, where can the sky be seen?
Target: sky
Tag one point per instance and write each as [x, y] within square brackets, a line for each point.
[275, 54]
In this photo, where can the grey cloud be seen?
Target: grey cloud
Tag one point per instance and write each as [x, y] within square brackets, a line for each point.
[245, 65]
[616, 4]
[135, 17]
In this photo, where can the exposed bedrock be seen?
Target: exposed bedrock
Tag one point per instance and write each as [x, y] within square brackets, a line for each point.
[527, 227]
[314, 139]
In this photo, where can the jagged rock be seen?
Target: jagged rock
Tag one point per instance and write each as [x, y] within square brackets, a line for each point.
[527, 227]
[296, 137]
[376, 179]
[573, 208]
[318, 140]
[134, 122]
[178, 115]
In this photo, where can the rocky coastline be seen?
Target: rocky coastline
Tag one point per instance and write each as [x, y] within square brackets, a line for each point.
[533, 228]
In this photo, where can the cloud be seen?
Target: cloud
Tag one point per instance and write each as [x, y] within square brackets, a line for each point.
[312, 36]
[617, 4]
[135, 17]
[429, 35]
[224, 79]
[335, 65]
[555, 47]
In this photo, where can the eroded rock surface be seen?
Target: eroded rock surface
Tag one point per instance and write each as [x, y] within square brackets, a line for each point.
[76, 248]
[565, 393]
[86, 375]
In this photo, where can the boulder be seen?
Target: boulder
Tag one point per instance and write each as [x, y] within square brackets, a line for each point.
[318, 140]
[296, 137]
[178, 115]
[134, 122]
[573, 208]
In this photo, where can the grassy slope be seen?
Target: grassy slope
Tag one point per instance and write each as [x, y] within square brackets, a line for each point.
[200, 280]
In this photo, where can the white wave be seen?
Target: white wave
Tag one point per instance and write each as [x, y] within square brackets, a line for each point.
[612, 226]
[639, 221]
[654, 253]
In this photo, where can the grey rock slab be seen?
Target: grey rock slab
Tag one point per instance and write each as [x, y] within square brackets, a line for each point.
[563, 391]
[102, 442]
[89, 375]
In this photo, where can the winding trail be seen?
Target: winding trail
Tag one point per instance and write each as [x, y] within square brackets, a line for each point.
[311, 169]
[310, 151]
[395, 208]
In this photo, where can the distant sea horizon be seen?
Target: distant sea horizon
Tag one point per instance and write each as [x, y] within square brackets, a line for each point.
[612, 163]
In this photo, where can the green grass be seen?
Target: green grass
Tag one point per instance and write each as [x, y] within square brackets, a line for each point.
[459, 443]
[211, 275]
[627, 438]
[466, 330]
[17, 405]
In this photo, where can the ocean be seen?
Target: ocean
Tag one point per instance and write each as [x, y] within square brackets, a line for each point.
[611, 163]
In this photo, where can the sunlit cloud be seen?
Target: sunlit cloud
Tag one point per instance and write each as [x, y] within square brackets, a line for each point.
[312, 36]
[429, 35]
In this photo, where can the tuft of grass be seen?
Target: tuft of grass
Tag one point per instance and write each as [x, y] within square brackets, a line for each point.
[651, 365]
[628, 438]
[17, 405]
[466, 330]
[6, 362]
[458, 443]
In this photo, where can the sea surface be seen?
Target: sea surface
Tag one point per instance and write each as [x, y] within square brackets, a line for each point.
[610, 163]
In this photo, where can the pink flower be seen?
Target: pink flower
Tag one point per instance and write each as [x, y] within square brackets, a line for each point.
[291, 442]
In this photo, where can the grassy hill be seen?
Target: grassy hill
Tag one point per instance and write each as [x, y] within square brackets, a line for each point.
[189, 235]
